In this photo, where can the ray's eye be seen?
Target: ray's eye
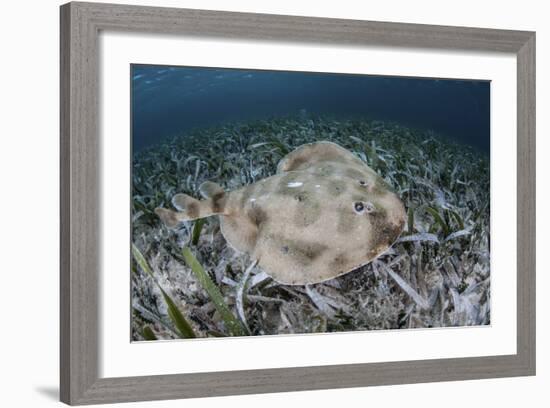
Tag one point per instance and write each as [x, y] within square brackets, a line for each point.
[360, 207]
[363, 183]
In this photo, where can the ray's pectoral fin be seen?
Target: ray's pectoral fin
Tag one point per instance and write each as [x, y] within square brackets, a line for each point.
[190, 208]
[314, 153]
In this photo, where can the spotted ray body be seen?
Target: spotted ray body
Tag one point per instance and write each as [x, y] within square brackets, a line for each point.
[323, 214]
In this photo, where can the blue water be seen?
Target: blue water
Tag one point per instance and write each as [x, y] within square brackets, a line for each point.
[168, 101]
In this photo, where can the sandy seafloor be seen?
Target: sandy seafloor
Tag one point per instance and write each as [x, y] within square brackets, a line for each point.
[436, 275]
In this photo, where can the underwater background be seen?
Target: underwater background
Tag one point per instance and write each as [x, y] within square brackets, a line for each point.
[170, 100]
[428, 138]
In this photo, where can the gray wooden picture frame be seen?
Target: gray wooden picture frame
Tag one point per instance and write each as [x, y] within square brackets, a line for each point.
[81, 24]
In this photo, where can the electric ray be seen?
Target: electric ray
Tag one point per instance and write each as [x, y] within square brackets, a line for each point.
[323, 214]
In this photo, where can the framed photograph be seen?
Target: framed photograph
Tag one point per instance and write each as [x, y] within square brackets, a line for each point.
[261, 203]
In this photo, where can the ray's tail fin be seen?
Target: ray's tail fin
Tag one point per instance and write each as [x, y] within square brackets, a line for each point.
[190, 208]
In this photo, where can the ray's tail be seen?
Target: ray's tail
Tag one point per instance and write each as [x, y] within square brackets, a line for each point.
[190, 208]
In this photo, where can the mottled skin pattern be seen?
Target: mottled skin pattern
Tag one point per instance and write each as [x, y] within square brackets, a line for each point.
[324, 213]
